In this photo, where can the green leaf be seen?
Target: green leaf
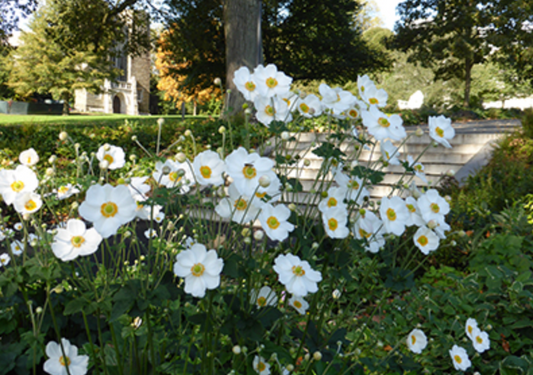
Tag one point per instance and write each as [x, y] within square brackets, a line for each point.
[75, 306]
[328, 151]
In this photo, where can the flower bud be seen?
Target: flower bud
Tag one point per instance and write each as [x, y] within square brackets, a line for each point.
[187, 133]
[236, 350]
[264, 181]
[307, 162]
[217, 81]
[315, 245]
[39, 310]
[419, 132]
[166, 170]
[49, 171]
[107, 147]
[432, 224]
[63, 136]
[247, 240]
[336, 294]
[228, 91]
[222, 129]
[290, 367]
[450, 173]
[245, 106]
[311, 111]
[246, 232]
[317, 356]
[259, 235]
[26, 216]
[103, 164]
[292, 207]
[52, 159]
[248, 111]
[160, 121]
[307, 356]
[285, 136]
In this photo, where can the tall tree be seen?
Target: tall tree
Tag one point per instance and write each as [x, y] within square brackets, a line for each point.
[43, 65]
[451, 36]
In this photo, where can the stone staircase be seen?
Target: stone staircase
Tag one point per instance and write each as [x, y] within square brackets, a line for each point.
[471, 149]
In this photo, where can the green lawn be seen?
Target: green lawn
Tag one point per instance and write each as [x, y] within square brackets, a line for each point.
[81, 119]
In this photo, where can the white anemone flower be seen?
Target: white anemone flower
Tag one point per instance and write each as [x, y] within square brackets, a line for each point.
[335, 222]
[179, 175]
[432, 206]
[471, 327]
[335, 198]
[418, 167]
[354, 112]
[270, 109]
[274, 221]
[416, 341]
[336, 99]
[426, 240]
[414, 213]
[297, 275]
[29, 157]
[57, 362]
[150, 233]
[375, 97]
[441, 130]
[28, 203]
[17, 247]
[480, 340]
[460, 358]
[263, 297]
[108, 208]
[4, 259]
[16, 182]
[138, 190]
[310, 106]
[237, 206]
[200, 268]
[261, 366]
[245, 169]
[390, 152]
[66, 191]
[370, 228]
[244, 81]
[113, 155]
[270, 82]
[381, 125]
[353, 187]
[159, 217]
[441, 228]
[394, 215]
[292, 100]
[273, 191]
[300, 304]
[209, 168]
[75, 240]
[364, 83]
[18, 226]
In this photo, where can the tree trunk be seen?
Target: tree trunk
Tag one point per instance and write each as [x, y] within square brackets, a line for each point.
[468, 82]
[65, 97]
[242, 30]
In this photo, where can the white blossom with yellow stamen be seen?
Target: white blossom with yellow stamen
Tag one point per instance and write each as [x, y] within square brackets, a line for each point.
[426, 240]
[237, 206]
[432, 206]
[29, 157]
[335, 222]
[114, 156]
[310, 106]
[200, 268]
[245, 83]
[66, 191]
[108, 208]
[300, 304]
[270, 81]
[263, 297]
[245, 169]
[4, 259]
[261, 366]
[381, 125]
[15, 182]
[370, 228]
[75, 240]
[17, 247]
[28, 203]
[335, 198]
[460, 358]
[394, 215]
[441, 130]
[58, 359]
[208, 168]
[375, 97]
[416, 341]
[270, 109]
[274, 221]
[297, 275]
[480, 340]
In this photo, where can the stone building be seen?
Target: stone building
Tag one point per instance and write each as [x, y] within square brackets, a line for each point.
[129, 94]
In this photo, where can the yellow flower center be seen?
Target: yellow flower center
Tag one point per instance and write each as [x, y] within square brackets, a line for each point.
[109, 209]
[64, 361]
[30, 205]
[3, 260]
[391, 214]
[198, 269]
[271, 82]
[422, 240]
[457, 359]
[479, 340]
[304, 107]
[17, 186]
[353, 184]
[261, 195]
[261, 301]
[383, 122]
[332, 202]
[413, 339]
[411, 208]
[249, 171]
[109, 158]
[418, 167]
[205, 171]
[333, 224]
[338, 98]
[373, 101]
[77, 241]
[269, 110]
[439, 132]
[173, 176]
[287, 101]
[435, 208]
[63, 190]
[353, 113]
[298, 271]
[250, 86]
[261, 367]
[29, 160]
[297, 304]
[272, 222]
[364, 233]
[240, 204]
[470, 329]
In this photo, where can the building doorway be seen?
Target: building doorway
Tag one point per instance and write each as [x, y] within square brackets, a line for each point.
[116, 104]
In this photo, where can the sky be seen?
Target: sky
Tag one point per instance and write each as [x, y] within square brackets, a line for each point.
[387, 12]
